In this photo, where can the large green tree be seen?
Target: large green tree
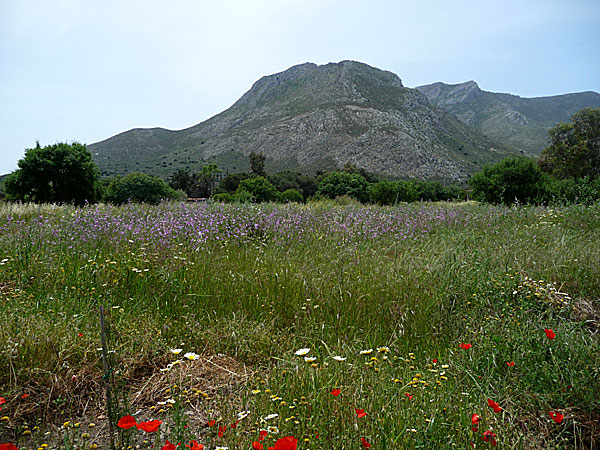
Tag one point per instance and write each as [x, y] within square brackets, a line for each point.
[336, 184]
[574, 150]
[59, 173]
[260, 188]
[512, 179]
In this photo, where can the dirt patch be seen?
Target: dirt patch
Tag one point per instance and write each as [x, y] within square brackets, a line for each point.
[149, 393]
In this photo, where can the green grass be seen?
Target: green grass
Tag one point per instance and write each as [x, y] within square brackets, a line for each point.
[246, 307]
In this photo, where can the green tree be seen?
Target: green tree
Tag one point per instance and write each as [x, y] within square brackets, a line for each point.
[260, 188]
[206, 181]
[59, 173]
[384, 193]
[138, 187]
[335, 184]
[288, 179]
[257, 164]
[182, 180]
[510, 180]
[574, 150]
[231, 182]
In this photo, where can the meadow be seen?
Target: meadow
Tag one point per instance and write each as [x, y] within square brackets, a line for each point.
[237, 326]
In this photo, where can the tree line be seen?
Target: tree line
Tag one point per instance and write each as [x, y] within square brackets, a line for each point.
[567, 171]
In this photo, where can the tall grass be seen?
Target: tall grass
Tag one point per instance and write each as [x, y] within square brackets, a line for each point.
[256, 283]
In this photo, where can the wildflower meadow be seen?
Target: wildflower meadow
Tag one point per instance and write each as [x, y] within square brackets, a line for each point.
[318, 326]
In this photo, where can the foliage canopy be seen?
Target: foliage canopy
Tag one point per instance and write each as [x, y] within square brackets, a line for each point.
[138, 187]
[59, 173]
[512, 179]
[336, 184]
[574, 150]
[260, 188]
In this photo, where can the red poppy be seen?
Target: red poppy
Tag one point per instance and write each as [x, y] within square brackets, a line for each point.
[126, 422]
[549, 333]
[336, 392]
[286, 443]
[194, 445]
[434, 361]
[410, 397]
[360, 413]
[495, 406]
[488, 436]
[8, 447]
[2, 400]
[365, 444]
[510, 364]
[556, 416]
[222, 430]
[149, 427]
[211, 423]
[465, 346]
[262, 434]
[168, 446]
[475, 419]
[80, 334]
[257, 446]
[24, 395]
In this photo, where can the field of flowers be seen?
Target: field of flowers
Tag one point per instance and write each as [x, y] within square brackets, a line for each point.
[313, 327]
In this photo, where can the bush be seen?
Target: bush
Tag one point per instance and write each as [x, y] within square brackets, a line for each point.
[513, 179]
[138, 187]
[336, 184]
[260, 188]
[291, 196]
[384, 193]
[242, 196]
[224, 197]
[571, 190]
[392, 192]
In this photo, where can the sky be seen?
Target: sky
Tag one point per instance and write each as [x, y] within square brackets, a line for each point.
[85, 70]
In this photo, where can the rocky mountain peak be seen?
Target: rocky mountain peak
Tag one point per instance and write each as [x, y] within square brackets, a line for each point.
[451, 94]
[341, 82]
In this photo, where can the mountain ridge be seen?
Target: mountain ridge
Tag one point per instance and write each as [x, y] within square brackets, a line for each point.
[315, 117]
[521, 123]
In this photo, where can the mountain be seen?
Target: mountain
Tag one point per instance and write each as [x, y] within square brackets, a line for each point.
[311, 118]
[517, 122]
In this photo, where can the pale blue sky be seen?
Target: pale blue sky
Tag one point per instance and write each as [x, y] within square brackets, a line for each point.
[79, 70]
